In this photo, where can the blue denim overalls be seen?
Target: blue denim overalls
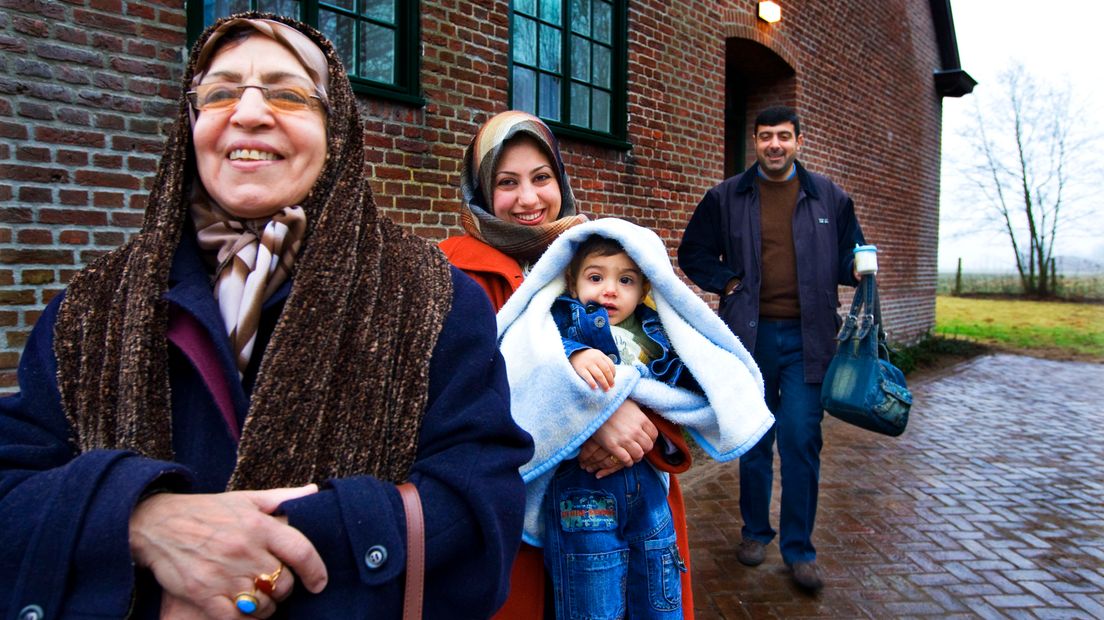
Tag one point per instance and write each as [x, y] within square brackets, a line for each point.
[610, 543]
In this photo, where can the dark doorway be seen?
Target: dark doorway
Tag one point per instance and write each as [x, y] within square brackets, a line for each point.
[755, 77]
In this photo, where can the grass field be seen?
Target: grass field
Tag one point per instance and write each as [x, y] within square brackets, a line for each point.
[1054, 329]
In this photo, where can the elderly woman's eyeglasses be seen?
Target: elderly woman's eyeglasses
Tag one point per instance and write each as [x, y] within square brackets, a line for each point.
[218, 96]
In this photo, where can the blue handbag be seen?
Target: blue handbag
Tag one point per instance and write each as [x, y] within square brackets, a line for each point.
[861, 386]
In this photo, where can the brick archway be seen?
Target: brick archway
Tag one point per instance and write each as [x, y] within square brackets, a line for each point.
[759, 71]
[741, 24]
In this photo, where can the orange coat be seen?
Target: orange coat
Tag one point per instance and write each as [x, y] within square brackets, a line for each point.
[500, 276]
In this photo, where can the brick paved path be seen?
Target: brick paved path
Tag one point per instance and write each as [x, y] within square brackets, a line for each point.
[990, 505]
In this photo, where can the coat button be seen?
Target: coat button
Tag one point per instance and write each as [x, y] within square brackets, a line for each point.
[31, 612]
[375, 557]
[599, 322]
[751, 323]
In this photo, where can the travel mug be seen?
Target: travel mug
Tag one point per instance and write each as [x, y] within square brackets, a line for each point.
[866, 258]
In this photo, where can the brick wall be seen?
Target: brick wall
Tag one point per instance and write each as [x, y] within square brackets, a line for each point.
[88, 85]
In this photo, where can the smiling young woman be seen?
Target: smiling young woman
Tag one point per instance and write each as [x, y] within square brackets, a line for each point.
[526, 190]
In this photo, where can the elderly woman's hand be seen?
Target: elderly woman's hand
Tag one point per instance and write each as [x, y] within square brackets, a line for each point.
[620, 442]
[206, 549]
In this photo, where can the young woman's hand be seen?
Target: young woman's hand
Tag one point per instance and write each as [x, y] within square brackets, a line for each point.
[594, 367]
[620, 442]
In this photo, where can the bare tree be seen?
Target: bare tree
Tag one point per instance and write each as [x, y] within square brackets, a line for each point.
[1025, 140]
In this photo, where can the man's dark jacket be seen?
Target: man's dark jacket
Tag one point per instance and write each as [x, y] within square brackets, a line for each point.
[723, 241]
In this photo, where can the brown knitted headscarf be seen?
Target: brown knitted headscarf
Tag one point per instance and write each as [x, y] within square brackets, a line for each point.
[367, 300]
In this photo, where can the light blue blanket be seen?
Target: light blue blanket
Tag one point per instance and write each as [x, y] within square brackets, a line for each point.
[550, 401]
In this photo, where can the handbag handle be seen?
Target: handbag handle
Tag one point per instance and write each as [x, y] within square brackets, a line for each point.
[873, 303]
[415, 552]
[865, 299]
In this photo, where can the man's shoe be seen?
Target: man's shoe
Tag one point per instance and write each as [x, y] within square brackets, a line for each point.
[805, 574]
[751, 552]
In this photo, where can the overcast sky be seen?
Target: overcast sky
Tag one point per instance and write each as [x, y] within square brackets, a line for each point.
[1059, 41]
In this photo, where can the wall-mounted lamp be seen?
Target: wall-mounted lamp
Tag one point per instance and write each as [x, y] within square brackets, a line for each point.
[770, 12]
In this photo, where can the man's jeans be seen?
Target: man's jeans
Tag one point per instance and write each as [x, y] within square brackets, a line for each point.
[610, 545]
[796, 408]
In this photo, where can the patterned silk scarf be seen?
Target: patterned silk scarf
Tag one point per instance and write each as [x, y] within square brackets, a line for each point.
[250, 265]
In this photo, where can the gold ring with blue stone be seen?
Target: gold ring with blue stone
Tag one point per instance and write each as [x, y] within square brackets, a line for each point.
[246, 602]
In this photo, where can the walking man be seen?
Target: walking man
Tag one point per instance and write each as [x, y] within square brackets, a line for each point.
[774, 242]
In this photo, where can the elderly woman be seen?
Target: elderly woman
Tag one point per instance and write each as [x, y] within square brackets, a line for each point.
[213, 418]
[517, 201]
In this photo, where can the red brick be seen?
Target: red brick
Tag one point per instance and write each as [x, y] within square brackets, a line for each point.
[14, 131]
[16, 215]
[73, 237]
[114, 23]
[97, 178]
[107, 161]
[17, 338]
[108, 200]
[72, 217]
[37, 277]
[111, 6]
[73, 197]
[108, 238]
[34, 174]
[70, 158]
[22, 297]
[32, 154]
[34, 236]
[62, 136]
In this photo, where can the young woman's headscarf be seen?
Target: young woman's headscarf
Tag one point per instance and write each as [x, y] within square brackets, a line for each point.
[523, 243]
[367, 299]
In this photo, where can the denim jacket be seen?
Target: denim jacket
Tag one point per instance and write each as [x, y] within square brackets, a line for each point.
[587, 327]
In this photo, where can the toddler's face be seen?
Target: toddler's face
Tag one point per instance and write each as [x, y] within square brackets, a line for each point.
[615, 282]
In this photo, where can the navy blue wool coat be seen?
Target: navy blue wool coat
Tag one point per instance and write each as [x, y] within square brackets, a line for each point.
[63, 516]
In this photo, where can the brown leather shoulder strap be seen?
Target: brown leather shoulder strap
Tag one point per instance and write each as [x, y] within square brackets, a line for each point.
[415, 552]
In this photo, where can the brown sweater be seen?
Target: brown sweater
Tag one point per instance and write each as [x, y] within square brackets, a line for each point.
[778, 293]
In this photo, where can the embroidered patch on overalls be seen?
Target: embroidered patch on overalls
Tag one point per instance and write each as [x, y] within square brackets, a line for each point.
[588, 510]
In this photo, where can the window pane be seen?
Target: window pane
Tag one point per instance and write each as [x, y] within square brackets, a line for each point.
[348, 5]
[580, 105]
[524, 90]
[549, 48]
[383, 10]
[580, 58]
[341, 30]
[549, 97]
[214, 9]
[601, 66]
[580, 16]
[525, 40]
[603, 21]
[550, 11]
[600, 111]
[280, 7]
[377, 53]
[529, 7]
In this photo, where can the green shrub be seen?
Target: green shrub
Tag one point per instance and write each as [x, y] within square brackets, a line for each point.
[934, 351]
